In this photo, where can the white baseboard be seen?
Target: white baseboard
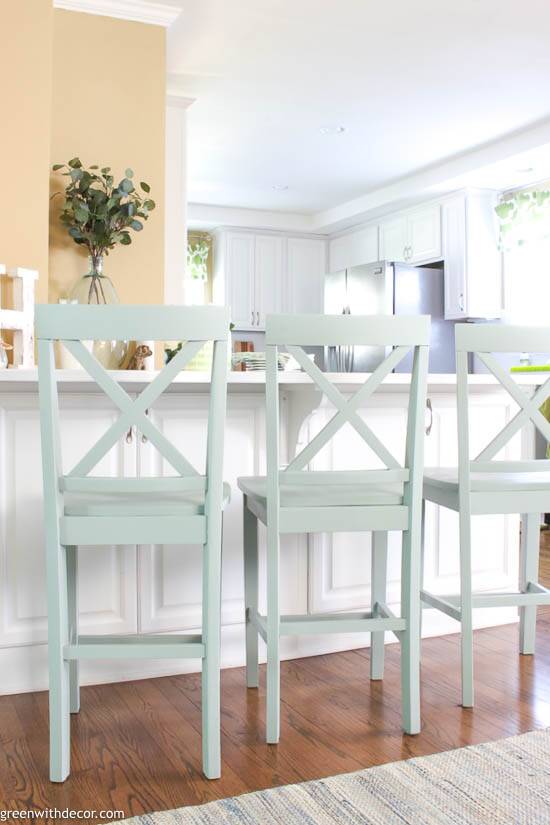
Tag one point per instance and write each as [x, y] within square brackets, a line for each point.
[25, 668]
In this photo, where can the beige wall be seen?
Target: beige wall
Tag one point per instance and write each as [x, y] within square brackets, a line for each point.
[25, 106]
[109, 100]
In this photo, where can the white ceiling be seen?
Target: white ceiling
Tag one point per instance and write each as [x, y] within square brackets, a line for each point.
[414, 83]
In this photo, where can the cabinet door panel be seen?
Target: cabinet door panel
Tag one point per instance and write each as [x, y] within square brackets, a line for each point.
[424, 234]
[354, 249]
[107, 585]
[240, 278]
[170, 576]
[340, 563]
[495, 539]
[268, 283]
[305, 276]
[393, 239]
[454, 253]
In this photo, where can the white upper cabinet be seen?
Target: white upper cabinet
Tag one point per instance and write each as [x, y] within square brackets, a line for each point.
[393, 239]
[413, 237]
[354, 249]
[305, 275]
[258, 274]
[424, 234]
[473, 271]
[268, 281]
[240, 279]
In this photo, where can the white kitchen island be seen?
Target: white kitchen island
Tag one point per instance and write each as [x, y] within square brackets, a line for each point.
[151, 589]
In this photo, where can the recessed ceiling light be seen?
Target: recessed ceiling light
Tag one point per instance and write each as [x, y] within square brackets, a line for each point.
[332, 130]
[526, 170]
[280, 187]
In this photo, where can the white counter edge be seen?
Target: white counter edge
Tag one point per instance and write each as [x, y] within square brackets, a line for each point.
[13, 379]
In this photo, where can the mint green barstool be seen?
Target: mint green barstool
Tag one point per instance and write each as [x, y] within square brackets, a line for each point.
[296, 500]
[82, 509]
[489, 484]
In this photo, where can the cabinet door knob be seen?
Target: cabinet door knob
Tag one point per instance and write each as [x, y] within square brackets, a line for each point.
[461, 302]
[431, 420]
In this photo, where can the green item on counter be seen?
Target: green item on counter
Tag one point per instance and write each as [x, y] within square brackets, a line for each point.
[531, 368]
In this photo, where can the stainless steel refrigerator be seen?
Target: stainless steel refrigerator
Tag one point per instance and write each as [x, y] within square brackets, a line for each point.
[386, 288]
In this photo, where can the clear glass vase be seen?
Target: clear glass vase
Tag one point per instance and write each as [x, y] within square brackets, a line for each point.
[96, 288]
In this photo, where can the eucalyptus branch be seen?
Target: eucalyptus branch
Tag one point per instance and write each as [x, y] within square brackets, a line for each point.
[99, 214]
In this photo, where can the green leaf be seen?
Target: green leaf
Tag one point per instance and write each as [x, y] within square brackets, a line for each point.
[150, 205]
[94, 166]
[137, 225]
[76, 174]
[145, 186]
[126, 186]
[57, 166]
[125, 239]
[129, 173]
[75, 163]
[105, 170]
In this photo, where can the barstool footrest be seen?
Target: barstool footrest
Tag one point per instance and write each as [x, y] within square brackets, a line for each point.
[136, 647]
[329, 623]
[535, 595]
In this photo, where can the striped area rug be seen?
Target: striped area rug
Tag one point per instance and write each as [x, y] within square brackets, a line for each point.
[500, 783]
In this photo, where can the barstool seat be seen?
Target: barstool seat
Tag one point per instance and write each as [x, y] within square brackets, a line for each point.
[189, 503]
[446, 478]
[325, 495]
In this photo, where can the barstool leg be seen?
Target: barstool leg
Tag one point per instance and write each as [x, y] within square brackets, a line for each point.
[466, 617]
[72, 604]
[379, 564]
[422, 558]
[58, 637]
[273, 626]
[212, 553]
[529, 572]
[410, 640]
[250, 546]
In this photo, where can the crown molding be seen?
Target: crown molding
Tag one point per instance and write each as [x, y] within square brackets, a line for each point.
[139, 11]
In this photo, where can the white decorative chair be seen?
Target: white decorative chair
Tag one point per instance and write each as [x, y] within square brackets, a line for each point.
[488, 485]
[84, 509]
[295, 500]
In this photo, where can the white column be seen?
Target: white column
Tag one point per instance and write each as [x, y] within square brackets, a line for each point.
[175, 232]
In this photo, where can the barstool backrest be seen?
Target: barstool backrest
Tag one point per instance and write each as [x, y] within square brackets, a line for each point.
[484, 340]
[293, 332]
[74, 324]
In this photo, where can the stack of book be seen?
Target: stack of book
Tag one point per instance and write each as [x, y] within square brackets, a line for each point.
[240, 347]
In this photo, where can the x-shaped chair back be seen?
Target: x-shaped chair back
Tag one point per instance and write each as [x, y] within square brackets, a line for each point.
[74, 324]
[293, 332]
[484, 340]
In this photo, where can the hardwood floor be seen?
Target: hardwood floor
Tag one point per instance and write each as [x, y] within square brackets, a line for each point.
[136, 746]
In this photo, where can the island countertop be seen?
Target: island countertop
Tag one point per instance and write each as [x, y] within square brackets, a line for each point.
[26, 380]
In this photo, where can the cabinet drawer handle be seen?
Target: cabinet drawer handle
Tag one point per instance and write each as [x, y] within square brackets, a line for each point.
[430, 410]
[257, 319]
[130, 435]
[252, 317]
[461, 302]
